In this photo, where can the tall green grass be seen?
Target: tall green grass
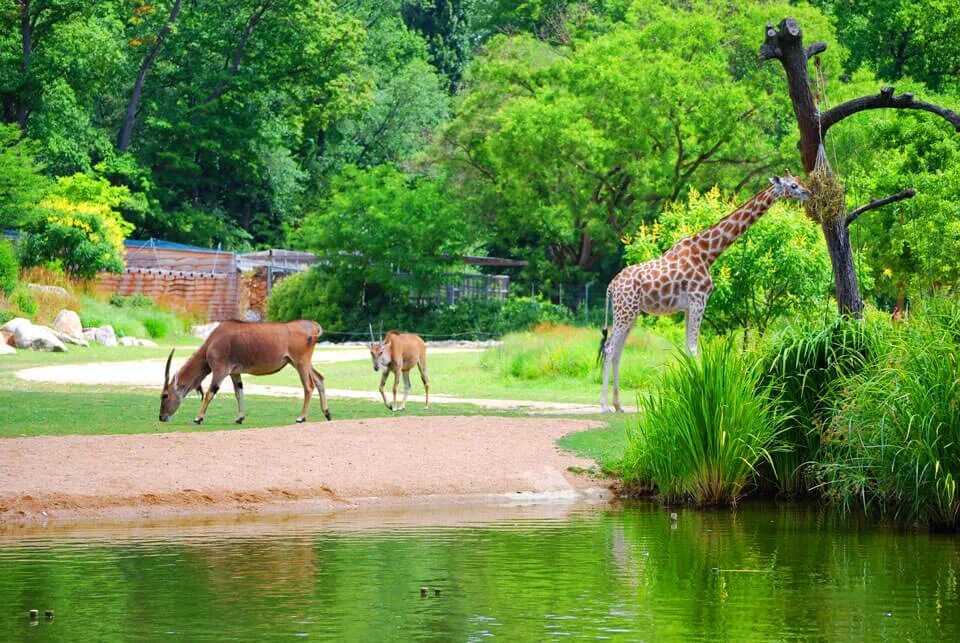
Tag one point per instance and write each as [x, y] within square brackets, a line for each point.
[893, 442]
[803, 363]
[550, 351]
[700, 435]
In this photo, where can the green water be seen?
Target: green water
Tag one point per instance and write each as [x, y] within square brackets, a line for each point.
[515, 573]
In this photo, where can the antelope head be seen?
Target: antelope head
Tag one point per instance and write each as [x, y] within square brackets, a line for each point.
[172, 395]
[379, 352]
[170, 398]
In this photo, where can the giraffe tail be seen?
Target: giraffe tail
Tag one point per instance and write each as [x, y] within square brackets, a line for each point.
[603, 342]
[603, 333]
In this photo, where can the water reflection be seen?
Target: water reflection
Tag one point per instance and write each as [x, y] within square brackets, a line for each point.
[521, 572]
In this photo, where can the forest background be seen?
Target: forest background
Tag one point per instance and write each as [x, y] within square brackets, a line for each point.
[399, 136]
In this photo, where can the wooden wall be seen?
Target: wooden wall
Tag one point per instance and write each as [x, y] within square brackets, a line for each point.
[194, 281]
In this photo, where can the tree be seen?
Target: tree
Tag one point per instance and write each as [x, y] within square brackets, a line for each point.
[21, 183]
[785, 43]
[777, 269]
[77, 229]
[560, 150]
[378, 223]
[900, 38]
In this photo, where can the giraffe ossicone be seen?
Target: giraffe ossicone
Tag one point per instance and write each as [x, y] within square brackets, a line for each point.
[679, 279]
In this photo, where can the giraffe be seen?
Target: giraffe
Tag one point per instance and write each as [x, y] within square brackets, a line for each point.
[679, 279]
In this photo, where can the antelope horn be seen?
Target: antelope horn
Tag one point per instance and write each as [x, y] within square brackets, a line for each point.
[381, 331]
[372, 340]
[166, 373]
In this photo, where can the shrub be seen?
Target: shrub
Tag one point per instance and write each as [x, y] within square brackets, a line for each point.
[316, 295]
[894, 438]
[135, 300]
[9, 268]
[157, 326]
[25, 302]
[701, 433]
[131, 321]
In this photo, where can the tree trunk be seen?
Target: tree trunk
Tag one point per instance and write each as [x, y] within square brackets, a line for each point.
[26, 40]
[786, 45]
[130, 117]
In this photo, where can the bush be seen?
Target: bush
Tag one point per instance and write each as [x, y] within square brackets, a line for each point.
[315, 295]
[701, 433]
[894, 437]
[128, 320]
[9, 268]
[25, 302]
[135, 300]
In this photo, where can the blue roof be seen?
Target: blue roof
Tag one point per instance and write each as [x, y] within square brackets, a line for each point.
[167, 245]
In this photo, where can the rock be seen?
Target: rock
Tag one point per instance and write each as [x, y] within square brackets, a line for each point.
[203, 330]
[11, 326]
[68, 323]
[7, 350]
[38, 338]
[49, 290]
[133, 341]
[70, 339]
[105, 335]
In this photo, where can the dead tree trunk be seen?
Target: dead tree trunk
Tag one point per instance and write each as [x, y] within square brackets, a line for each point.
[785, 43]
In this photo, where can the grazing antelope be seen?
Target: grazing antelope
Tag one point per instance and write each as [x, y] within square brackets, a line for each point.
[236, 347]
[398, 353]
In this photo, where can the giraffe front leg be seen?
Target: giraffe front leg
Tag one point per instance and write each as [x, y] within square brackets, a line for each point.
[698, 303]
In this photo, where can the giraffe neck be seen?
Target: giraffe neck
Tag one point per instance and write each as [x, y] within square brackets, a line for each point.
[721, 235]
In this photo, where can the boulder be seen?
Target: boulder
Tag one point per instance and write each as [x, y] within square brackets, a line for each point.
[70, 339]
[7, 350]
[17, 322]
[38, 338]
[105, 335]
[203, 330]
[133, 341]
[68, 323]
[55, 291]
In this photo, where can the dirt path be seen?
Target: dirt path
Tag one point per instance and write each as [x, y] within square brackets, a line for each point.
[316, 466]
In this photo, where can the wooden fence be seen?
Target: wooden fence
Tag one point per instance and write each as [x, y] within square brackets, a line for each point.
[193, 280]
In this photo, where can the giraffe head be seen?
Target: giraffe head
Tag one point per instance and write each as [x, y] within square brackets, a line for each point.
[789, 187]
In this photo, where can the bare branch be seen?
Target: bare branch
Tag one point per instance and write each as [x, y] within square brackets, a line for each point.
[885, 99]
[878, 203]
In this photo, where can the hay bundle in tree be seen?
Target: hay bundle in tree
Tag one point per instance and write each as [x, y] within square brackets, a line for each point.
[828, 201]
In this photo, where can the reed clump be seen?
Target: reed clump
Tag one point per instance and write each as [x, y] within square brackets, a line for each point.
[703, 430]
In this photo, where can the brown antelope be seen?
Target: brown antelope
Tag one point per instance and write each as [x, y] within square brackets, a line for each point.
[236, 347]
[398, 353]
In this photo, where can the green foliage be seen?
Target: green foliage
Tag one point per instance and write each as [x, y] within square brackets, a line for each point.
[318, 295]
[894, 438]
[778, 268]
[133, 316]
[21, 183]
[562, 149]
[25, 302]
[136, 300]
[9, 268]
[900, 38]
[379, 222]
[700, 435]
[804, 363]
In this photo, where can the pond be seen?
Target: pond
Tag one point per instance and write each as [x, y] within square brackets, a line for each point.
[518, 573]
